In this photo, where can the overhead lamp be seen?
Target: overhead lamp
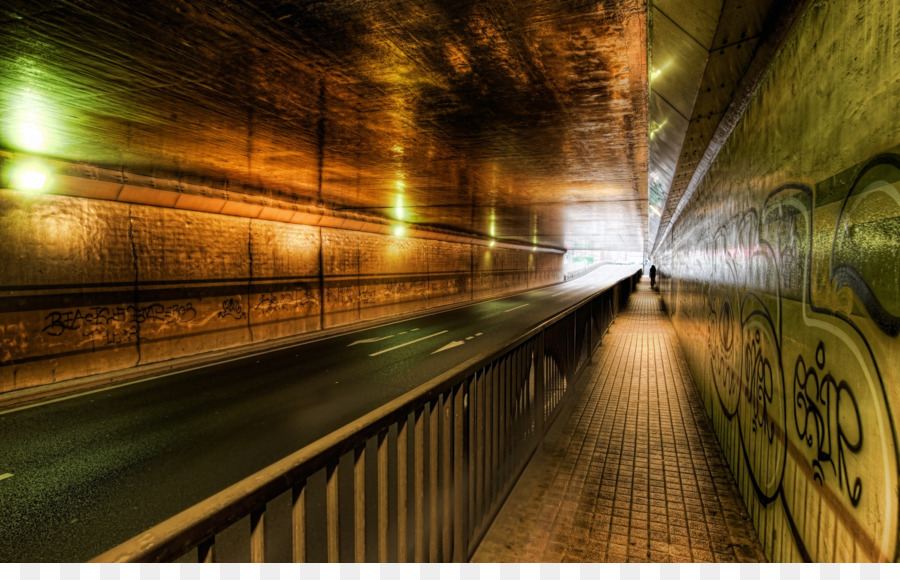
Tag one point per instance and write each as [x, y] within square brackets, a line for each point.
[30, 177]
[30, 136]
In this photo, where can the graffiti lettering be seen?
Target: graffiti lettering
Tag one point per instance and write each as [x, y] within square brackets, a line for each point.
[341, 295]
[758, 386]
[823, 425]
[90, 322]
[286, 301]
[232, 308]
[175, 314]
[366, 297]
[114, 325]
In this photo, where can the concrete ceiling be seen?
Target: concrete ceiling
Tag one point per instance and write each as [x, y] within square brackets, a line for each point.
[526, 121]
[708, 57]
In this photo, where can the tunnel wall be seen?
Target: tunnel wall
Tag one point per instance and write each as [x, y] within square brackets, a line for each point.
[782, 277]
[90, 286]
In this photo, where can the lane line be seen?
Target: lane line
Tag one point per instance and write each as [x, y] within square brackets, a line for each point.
[5, 476]
[370, 340]
[408, 343]
[516, 308]
[557, 294]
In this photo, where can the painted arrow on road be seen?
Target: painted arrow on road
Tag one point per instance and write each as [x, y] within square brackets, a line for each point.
[450, 345]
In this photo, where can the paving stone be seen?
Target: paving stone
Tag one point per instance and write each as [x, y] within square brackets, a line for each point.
[634, 472]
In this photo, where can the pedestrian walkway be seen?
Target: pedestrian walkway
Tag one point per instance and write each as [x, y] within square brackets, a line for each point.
[635, 472]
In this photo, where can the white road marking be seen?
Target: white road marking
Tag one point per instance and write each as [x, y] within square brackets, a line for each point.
[478, 333]
[449, 345]
[5, 476]
[414, 329]
[557, 294]
[407, 343]
[469, 337]
[370, 340]
[516, 308]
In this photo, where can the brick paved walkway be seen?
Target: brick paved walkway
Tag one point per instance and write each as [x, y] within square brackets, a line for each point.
[635, 473]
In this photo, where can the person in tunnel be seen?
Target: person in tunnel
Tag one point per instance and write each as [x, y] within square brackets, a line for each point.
[652, 275]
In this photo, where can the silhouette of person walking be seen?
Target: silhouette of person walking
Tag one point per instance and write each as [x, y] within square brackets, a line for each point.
[652, 275]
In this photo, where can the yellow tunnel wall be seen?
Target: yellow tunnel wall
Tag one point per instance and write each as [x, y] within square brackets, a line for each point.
[90, 286]
[782, 277]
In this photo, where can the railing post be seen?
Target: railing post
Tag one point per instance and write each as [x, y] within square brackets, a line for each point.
[382, 459]
[359, 501]
[460, 497]
[298, 522]
[590, 332]
[402, 489]
[433, 456]
[206, 551]
[419, 484]
[447, 476]
[258, 536]
[469, 409]
[332, 523]
[539, 390]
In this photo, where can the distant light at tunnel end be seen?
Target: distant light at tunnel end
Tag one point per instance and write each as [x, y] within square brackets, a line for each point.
[399, 231]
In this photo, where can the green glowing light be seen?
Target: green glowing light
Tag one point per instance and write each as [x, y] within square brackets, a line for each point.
[399, 231]
[30, 136]
[492, 243]
[398, 209]
[29, 178]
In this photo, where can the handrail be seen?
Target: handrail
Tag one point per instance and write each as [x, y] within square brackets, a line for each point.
[484, 417]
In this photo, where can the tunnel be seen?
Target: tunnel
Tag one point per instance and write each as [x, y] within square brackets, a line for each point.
[189, 183]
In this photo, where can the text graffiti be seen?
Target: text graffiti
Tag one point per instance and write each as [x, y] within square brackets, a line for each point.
[823, 425]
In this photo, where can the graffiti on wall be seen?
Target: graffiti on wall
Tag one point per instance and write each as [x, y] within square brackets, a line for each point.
[232, 308]
[794, 320]
[110, 325]
[269, 303]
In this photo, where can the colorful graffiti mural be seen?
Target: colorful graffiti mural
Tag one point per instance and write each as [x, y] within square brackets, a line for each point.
[798, 300]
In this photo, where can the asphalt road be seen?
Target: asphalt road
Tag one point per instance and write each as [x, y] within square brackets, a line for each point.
[82, 474]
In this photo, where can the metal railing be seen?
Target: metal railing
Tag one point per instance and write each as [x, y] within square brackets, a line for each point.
[419, 479]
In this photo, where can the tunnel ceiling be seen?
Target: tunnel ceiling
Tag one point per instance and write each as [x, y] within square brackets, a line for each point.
[522, 120]
[708, 58]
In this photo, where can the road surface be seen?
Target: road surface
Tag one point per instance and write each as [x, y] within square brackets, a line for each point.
[82, 474]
